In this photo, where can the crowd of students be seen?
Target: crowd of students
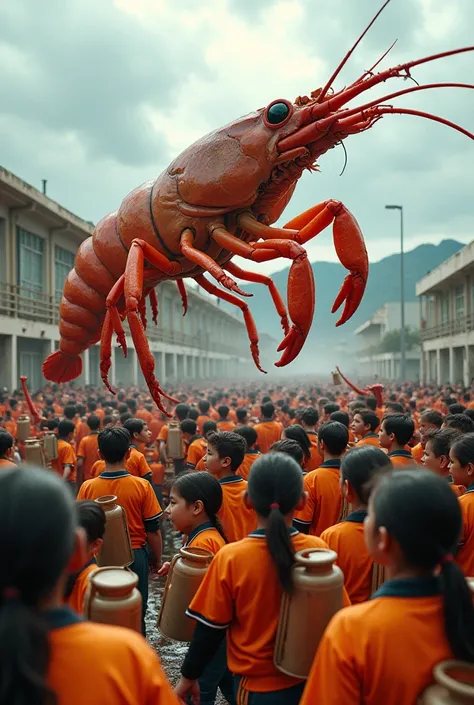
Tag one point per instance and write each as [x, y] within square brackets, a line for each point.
[263, 474]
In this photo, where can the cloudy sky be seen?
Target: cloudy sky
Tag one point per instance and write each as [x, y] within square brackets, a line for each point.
[98, 96]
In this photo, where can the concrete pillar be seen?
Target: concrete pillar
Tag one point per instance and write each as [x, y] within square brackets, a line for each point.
[452, 370]
[465, 371]
[86, 367]
[174, 366]
[196, 367]
[422, 366]
[438, 366]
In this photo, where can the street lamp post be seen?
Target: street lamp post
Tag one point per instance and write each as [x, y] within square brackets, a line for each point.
[402, 298]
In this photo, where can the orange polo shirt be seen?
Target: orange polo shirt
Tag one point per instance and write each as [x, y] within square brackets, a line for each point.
[371, 439]
[382, 651]
[207, 537]
[88, 449]
[5, 464]
[465, 554]
[135, 464]
[201, 465]
[250, 457]
[76, 599]
[238, 521]
[98, 664]
[347, 539]
[81, 431]
[241, 593]
[134, 494]
[324, 504]
[225, 425]
[417, 453]
[196, 450]
[201, 420]
[316, 459]
[268, 432]
[401, 459]
[66, 456]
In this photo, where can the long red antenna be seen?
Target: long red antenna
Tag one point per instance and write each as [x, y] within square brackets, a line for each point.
[349, 54]
[351, 385]
[33, 410]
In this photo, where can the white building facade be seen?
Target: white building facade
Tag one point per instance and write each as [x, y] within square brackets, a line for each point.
[446, 298]
[38, 243]
[385, 366]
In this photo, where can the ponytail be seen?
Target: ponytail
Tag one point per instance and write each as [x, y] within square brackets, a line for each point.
[217, 524]
[421, 512]
[24, 655]
[458, 611]
[37, 525]
[200, 486]
[275, 487]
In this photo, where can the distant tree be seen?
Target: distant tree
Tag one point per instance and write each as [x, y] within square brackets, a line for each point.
[390, 343]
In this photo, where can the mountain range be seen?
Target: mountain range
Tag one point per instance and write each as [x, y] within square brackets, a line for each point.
[383, 286]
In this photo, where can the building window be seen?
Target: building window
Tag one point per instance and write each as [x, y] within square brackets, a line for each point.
[444, 306]
[430, 311]
[459, 307]
[30, 262]
[63, 263]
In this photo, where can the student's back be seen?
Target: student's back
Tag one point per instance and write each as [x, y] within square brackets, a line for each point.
[237, 519]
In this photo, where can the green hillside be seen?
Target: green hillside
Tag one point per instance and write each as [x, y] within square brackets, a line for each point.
[383, 286]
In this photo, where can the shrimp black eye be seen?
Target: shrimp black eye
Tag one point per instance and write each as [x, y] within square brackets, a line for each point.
[277, 113]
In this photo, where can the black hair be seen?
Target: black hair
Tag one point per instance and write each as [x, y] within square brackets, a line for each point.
[441, 441]
[371, 402]
[69, 412]
[208, 427]
[341, 417]
[310, 416]
[114, 443]
[188, 426]
[37, 524]
[368, 417]
[460, 421]
[248, 433]
[204, 406]
[456, 408]
[223, 411]
[463, 448]
[123, 409]
[134, 426]
[108, 420]
[289, 447]
[131, 404]
[361, 467]
[91, 517]
[93, 422]
[434, 418]
[228, 445]
[194, 486]
[181, 411]
[421, 512]
[396, 407]
[65, 428]
[330, 408]
[267, 410]
[402, 427]
[295, 432]
[193, 414]
[126, 416]
[6, 441]
[335, 436]
[470, 414]
[275, 487]
[241, 415]
[91, 405]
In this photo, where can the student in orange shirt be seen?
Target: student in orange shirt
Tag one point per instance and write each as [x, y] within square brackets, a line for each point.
[429, 421]
[223, 422]
[329, 408]
[344, 418]
[384, 650]
[364, 427]
[461, 467]
[136, 463]
[242, 591]
[65, 464]
[87, 450]
[359, 469]
[436, 455]
[195, 499]
[203, 407]
[195, 443]
[136, 496]
[395, 432]
[291, 448]
[324, 504]
[91, 518]
[249, 434]
[268, 430]
[309, 420]
[181, 412]
[459, 421]
[47, 651]
[7, 450]
[295, 432]
[208, 427]
[225, 453]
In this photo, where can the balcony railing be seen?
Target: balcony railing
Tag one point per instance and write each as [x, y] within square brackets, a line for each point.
[29, 305]
[463, 324]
